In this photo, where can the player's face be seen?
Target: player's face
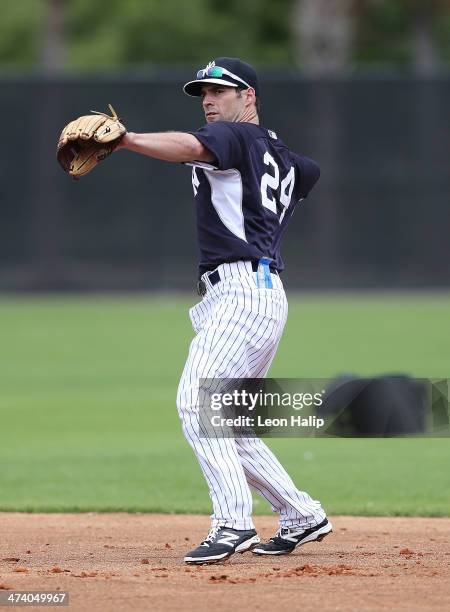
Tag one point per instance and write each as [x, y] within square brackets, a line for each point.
[221, 103]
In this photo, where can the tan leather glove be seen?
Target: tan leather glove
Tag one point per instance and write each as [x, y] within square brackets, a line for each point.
[87, 141]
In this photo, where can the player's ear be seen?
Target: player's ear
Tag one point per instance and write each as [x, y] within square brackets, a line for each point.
[250, 96]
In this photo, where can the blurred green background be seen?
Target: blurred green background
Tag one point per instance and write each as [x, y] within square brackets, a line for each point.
[89, 420]
[312, 34]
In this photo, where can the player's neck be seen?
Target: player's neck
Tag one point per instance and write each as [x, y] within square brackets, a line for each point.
[250, 116]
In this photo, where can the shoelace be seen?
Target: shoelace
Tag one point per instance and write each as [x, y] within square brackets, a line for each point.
[211, 535]
[280, 533]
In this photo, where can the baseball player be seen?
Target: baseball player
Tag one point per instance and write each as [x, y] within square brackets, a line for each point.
[246, 184]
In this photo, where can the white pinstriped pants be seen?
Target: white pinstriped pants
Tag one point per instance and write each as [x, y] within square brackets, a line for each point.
[238, 327]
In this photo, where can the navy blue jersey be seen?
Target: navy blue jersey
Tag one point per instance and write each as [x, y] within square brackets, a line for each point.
[247, 196]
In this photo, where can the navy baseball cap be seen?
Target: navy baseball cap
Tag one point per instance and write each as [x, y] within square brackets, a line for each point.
[229, 71]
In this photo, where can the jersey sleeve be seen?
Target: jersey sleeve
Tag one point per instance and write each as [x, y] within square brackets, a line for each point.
[223, 142]
[309, 173]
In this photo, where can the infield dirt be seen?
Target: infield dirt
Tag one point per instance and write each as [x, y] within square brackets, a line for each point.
[115, 562]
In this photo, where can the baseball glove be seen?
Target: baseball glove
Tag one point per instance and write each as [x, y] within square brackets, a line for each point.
[87, 141]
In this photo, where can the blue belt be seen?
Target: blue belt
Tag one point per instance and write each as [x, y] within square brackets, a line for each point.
[258, 265]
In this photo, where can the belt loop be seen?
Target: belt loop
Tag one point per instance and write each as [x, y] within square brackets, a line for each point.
[201, 288]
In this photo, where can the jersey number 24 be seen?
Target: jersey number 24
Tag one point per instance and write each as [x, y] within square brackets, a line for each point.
[271, 188]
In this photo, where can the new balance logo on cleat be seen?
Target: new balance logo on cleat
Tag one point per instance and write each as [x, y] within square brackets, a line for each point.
[286, 540]
[228, 538]
[221, 543]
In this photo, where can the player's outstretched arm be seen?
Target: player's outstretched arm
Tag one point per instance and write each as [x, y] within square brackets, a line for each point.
[168, 146]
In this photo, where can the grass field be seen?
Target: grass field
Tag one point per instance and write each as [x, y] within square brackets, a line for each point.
[88, 418]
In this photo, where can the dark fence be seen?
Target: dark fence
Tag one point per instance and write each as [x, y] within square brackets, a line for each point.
[379, 216]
